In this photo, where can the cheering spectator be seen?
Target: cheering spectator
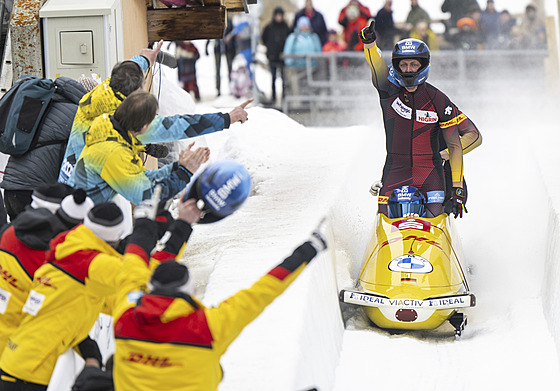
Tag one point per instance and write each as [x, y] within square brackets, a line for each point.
[302, 41]
[533, 29]
[385, 27]
[318, 25]
[458, 9]
[468, 37]
[354, 17]
[274, 37]
[426, 35]
[504, 30]
[416, 15]
[187, 56]
[221, 48]
[334, 44]
[241, 37]
[490, 25]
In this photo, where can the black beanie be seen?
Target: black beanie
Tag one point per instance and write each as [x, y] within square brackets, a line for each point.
[278, 10]
[106, 221]
[49, 196]
[170, 277]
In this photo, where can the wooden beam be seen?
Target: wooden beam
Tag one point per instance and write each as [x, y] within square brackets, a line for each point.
[135, 34]
[236, 5]
[178, 24]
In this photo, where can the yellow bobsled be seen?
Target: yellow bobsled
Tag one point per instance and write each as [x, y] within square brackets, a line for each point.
[412, 277]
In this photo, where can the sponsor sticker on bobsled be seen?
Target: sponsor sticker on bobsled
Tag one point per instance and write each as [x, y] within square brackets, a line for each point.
[382, 200]
[4, 300]
[34, 303]
[413, 224]
[435, 196]
[410, 263]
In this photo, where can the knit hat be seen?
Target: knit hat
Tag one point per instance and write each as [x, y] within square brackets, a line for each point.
[49, 196]
[172, 277]
[106, 221]
[466, 21]
[88, 83]
[278, 10]
[303, 22]
[74, 208]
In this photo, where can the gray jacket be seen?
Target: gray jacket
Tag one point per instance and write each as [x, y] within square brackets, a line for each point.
[41, 165]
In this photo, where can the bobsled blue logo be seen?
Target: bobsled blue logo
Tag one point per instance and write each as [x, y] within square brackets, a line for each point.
[403, 195]
[410, 264]
[435, 196]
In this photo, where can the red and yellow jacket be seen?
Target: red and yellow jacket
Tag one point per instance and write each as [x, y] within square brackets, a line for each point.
[22, 252]
[175, 343]
[65, 299]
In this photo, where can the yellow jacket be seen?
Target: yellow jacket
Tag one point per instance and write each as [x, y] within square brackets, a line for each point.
[175, 343]
[66, 297]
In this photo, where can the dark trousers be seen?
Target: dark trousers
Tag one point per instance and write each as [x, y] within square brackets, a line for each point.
[274, 68]
[16, 201]
[10, 383]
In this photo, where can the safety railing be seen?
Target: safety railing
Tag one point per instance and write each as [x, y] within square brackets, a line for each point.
[341, 81]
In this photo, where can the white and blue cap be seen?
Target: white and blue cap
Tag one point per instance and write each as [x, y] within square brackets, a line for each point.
[223, 187]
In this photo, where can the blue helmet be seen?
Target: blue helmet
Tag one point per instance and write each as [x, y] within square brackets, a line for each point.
[411, 49]
[223, 186]
[406, 201]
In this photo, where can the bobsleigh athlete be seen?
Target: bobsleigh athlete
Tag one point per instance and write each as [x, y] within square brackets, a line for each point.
[420, 123]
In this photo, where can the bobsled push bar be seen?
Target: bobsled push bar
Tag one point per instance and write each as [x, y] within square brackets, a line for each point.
[434, 303]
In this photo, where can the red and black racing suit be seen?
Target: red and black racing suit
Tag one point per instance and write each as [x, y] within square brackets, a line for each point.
[414, 123]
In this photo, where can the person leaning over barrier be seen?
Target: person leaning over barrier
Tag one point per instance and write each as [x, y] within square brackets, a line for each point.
[127, 77]
[84, 271]
[109, 164]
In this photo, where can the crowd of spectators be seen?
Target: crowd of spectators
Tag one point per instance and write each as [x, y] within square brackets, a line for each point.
[468, 27]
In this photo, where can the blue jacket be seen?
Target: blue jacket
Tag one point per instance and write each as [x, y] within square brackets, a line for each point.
[301, 43]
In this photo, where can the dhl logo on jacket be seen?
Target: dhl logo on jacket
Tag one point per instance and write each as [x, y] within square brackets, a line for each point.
[175, 343]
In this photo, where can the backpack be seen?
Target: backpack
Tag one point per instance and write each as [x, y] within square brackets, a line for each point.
[21, 111]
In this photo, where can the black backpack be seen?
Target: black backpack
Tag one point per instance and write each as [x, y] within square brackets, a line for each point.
[21, 111]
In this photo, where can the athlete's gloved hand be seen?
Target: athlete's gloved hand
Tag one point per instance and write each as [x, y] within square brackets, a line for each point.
[458, 201]
[367, 35]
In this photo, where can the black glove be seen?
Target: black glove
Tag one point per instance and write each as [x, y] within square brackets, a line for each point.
[457, 201]
[93, 379]
[163, 218]
[367, 35]
[89, 349]
[144, 234]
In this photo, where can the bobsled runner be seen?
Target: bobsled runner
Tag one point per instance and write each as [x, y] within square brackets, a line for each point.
[412, 277]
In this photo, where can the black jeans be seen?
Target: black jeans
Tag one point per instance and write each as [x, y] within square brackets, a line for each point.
[16, 201]
[10, 383]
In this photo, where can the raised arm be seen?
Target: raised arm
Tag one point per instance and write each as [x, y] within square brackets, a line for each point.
[379, 70]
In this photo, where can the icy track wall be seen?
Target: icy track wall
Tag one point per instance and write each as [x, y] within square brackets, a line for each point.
[548, 165]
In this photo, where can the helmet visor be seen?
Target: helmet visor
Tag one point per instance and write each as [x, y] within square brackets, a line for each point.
[406, 209]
